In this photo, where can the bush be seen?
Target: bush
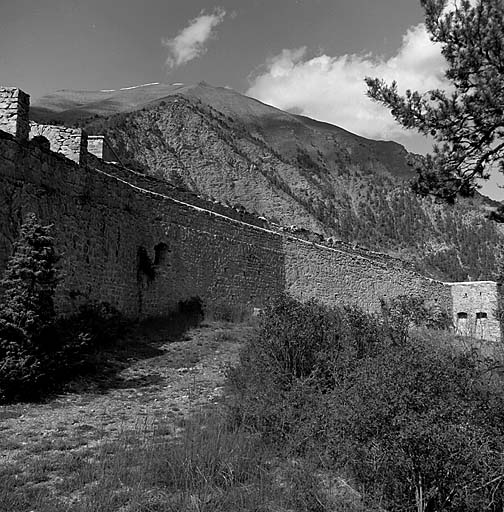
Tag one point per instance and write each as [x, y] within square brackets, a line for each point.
[403, 312]
[99, 322]
[419, 424]
[286, 368]
[415, 423]
[191, 307]
[80, 336]
[297, 340]
[27, 311]
[223, 311]
[37, 350]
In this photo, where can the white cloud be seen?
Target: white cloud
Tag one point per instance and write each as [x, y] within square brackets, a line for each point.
[190, 42]
[332, 89]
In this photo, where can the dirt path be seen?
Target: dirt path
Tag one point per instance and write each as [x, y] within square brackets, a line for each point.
[158, 378]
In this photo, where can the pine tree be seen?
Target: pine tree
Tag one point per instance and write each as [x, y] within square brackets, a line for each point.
[30, 279]
[467, 122]
[27, 310]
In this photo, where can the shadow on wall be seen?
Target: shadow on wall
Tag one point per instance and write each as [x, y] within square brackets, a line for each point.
[148, 270]
[146, 274]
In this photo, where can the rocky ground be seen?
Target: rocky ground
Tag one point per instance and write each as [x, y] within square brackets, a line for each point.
[156, 378]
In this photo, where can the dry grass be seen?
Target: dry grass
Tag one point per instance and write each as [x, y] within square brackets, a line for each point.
[142, 469]
[149, 434]
[202, 466]
[53, 454]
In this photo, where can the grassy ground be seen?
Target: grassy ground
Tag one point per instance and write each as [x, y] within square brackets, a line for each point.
[102, 444]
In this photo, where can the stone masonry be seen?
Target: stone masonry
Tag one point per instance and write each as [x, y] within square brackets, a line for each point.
[144, 246]
[98, 146]
[14, 110]
[476, 308]
[70, 142]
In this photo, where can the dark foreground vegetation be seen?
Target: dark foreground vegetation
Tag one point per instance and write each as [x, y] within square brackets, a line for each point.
[38, 351]
[327, 409]
[408, 416]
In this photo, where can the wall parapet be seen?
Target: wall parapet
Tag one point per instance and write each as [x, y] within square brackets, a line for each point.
[70, 142]
[99, 146]
[14, 112]
[154, 184]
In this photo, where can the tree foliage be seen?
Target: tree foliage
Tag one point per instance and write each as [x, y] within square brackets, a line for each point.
[27, 310]
[30, 278]
[467, 120]
[38, 350]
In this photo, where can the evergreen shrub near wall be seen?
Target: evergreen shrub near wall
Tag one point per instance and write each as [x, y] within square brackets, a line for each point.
[37, 350]
[412, 422]
[27, 311]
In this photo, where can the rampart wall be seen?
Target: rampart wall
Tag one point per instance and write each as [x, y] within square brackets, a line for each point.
[102, 225]
[98, 145]
[334, 276]
[144, 245]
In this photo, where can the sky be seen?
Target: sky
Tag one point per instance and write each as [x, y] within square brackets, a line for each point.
[304, 56]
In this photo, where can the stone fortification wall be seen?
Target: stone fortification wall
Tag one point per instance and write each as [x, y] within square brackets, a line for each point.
[138, 250]
[334, 276]
[105, 225]
[144, 245]
[70, 142]
[162, 187]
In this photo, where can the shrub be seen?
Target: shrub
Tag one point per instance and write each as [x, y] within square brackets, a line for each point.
[286, 367]
[36, 349]
[223, 311]
[80, 336]
[403, 312]
[297, 340]
[416, 423]
[420, 426]
[362, 331]
[191, 307]
[27, 311]
[100, 322]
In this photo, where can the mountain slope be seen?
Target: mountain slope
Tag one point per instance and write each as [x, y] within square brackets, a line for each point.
[283, 129]
[291, 169]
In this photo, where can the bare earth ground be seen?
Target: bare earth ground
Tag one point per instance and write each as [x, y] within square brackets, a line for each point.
[156, 376]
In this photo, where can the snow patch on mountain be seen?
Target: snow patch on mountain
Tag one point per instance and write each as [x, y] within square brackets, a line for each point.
[137, 86]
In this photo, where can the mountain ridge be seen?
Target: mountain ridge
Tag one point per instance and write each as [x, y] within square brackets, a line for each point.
[290, 169]
[71, 106]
